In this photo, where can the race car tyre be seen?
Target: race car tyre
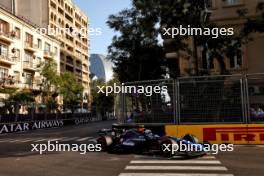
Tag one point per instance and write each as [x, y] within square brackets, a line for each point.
[164, 152]
[105, 141]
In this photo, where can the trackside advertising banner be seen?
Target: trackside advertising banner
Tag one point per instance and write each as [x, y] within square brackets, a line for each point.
[34, 125]
[235, 134]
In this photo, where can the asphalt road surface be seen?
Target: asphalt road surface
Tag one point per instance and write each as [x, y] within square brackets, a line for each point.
[17, 159]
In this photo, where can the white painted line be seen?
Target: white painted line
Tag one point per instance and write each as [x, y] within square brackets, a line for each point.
[174, 157]
[70, 139]
[25, 140]
[175, 162]
[172, 174]
[83, 139]
[207, 157]
[92, 140]
[209, 168]
[55, 139]
[40, 140]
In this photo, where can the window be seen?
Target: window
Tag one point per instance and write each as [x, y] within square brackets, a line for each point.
[29, 79]
[17, 33]
[207, 62]
[236, 61]
[3, 50]
[16, 76]
[17, 55]
[233, 2]
[39, 44]
[209, 3]
[28, 57]
[3, 72]
[29, 39]
[56, 51]
[4, 27]
[38, 60]
[47, 47]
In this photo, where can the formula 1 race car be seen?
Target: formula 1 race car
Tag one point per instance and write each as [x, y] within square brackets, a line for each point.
[143, 141]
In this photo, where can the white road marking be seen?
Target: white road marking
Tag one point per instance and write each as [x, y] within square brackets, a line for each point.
[40, 140]
[172, 174]
[25, 140]
[175, 157]
[83, 139]
[206, 168]
[70, 139]
[93, 140]
[175, 162]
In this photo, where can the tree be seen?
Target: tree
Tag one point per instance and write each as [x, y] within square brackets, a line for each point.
[16, 99]
[102, 102]
[70, 89]
[171, 13]
[135, 51]
[50, 84]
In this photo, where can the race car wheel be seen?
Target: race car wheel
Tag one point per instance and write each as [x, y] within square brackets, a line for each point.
[105, 142]
[166, 151]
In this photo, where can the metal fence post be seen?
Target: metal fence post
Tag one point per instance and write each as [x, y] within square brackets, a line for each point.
[242, 95]
[246, 94]
[178, 106]
[174, 82]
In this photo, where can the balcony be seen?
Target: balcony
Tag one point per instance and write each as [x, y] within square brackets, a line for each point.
[30, 66]
[31, 47]
[48, 54]
[31, 86]
[6, 37]
[79, 66]
[7, 60]
[69, 61]
[9, 82]
[78, 75]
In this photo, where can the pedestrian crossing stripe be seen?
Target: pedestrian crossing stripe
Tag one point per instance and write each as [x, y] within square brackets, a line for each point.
[172, 174]
[175, 167]
[206, 168]
[175, 162]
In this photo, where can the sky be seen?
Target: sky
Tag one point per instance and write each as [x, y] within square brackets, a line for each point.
[98, 12]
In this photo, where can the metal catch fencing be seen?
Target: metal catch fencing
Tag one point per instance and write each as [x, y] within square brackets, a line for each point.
[195, 100]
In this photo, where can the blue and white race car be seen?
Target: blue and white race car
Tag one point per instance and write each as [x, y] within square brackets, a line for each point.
[143, 141]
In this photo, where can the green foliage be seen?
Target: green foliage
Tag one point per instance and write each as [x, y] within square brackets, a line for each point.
[48, 70]
[22, 97]
[54, 84]
[102, 102]
[252, 25]
[173, 13]
[15, 99]
[70, 89]
[135, 52]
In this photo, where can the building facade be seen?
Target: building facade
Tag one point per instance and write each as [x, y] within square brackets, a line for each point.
[22, 49]
[225, 14]
[71, 29]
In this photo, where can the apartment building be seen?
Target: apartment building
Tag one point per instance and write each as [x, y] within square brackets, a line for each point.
[224, 14]
[63, 16]
[22, 49]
